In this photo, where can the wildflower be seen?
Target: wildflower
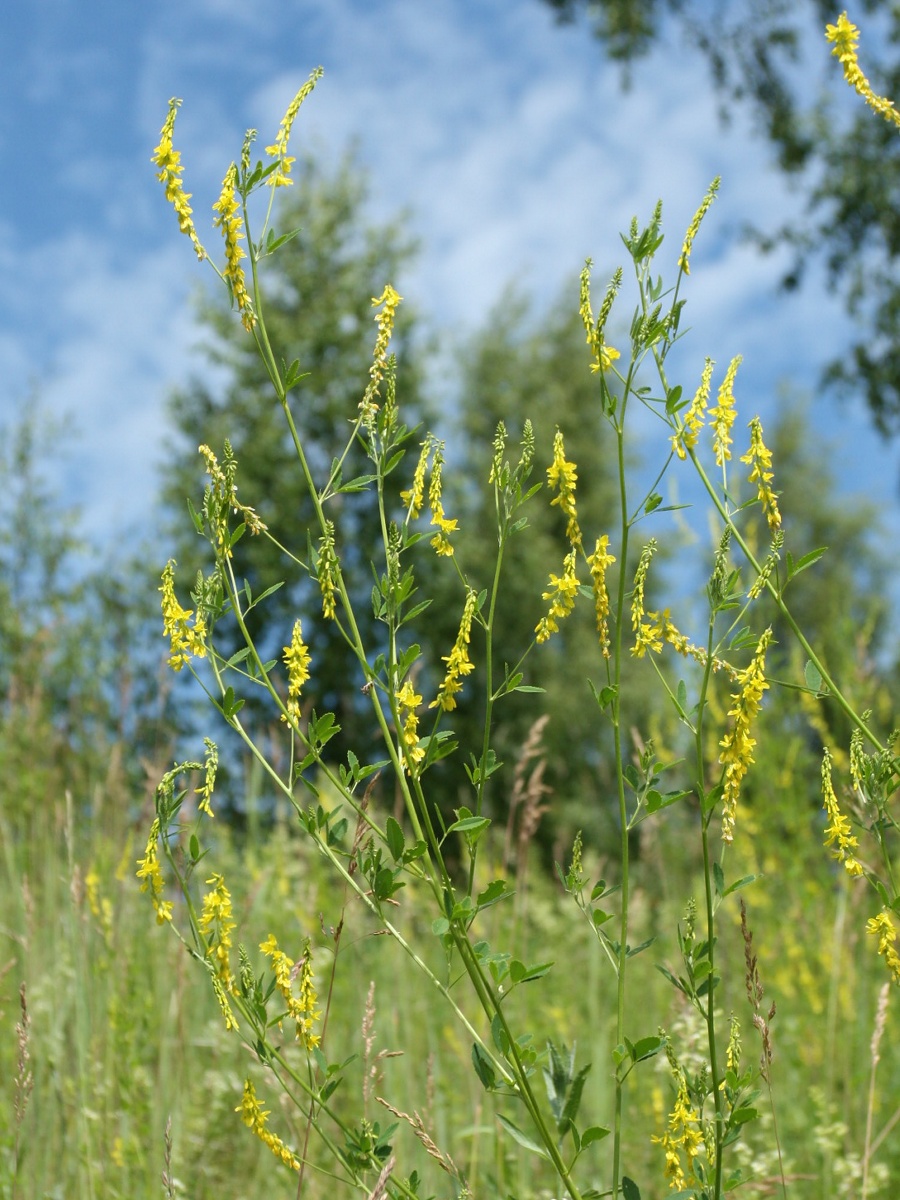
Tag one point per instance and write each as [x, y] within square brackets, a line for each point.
[837, 832]
[733, 1051]
[640, 578]
[169, 162]
[216, 925]
[221, 497]
[301, 1008]
[230, 221]
[684, 261]
[408, 699]
[683, 1136]
[150, 872]
[224, 1005]
[280, 177]
[604, 356]
[254, 1117]
[768, 566]
[296, 656]
[845, 38]
[458, 661]
[185, 640]
[737, 745]
[414, 497]
[562, 597]
[562, 475]
[598, 562]
[211, 765]
[883, 928]
[390, 301]
[327, 570]
[440, 541]
[686, 438]
[760, 459]
[724, 413]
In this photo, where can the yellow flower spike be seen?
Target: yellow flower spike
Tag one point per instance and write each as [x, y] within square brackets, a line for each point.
[561, 595]
[297, 659]
[254, 1117]
[407, 698]
[759, 458]
[150, 872]
[186, 641]
[216, 924]
[640, 579]
[724, 413]
[737, 745]
[883, 928]
[837, 832]
[414, 497]
[327, 571]
[211, 765]
[599, 562]
[168, 160]
[281, 176]
[686, 438]
[563, 476]
[302, 1008]
[604, 356]
[684, 1135]
[458, 661]
[440, 541]
[684, 260]
[389, 301]
[230, 220]
[844, 36]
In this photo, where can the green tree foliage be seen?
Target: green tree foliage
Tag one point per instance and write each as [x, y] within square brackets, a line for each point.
[847, 163]
[318, 295]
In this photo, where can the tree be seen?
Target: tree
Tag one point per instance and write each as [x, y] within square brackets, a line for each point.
[848, 165]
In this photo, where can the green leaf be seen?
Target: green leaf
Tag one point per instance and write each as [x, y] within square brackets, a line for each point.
[795, 567]
[484, 1068]
[395, 839]
[719, 879]
[814, 680]
[631, 951]
[492, 893]
[440, 926]
[630, 1190]
[469, 825]
[742, 882]
[657, 801]
[647, 1047]
[522, 1138]
[593, 1133]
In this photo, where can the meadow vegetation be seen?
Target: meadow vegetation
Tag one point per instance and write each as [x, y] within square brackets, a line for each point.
[475, 873]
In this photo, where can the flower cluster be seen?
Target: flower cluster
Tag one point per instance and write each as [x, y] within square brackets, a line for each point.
[327, 570]
[724, 413]
[390, 301]
[563, 589]
[210, 767]
[168, 160]
[883, 928]
[684, 261]
[216, 925]
[563, 476]
[221, 497]
[440, 541]
[599, 562]
[837, 832]
[296, 656]
[254, 1117]
[604, 356]
[637, 594]
[409, 699]
[759, 457]
[683, 1136]
[230, 220]
[686, 438]
[302, 1007]
[185, 639]
[737, 745]
[414, 497]
[844, 36]
[458, 661]
[150, 872]
[280, 177]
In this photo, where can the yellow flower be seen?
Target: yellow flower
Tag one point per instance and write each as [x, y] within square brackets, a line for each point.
[216, 925]
[296, 656]
[759, 457]
[604, 356]
[684, 261]
[150, 872]
[844, 36]
[563, 475]
[230, 221]
[640, 579]
[254, 1117]
[882, 927]
[168, 160]
[724, 413]
[686, 438]
[280, 177]
[683, 1136]
[390, 301]
[414, 497]
[185, 640]
[408, 699]
[837, 832]
[440, 541]
[327, 570]
[738, 745]
[458, 662]
[301, 1008]
[561, 595]
[211, 765]
[598, 562]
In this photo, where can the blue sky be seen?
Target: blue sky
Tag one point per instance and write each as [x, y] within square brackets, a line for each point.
[509, 140]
